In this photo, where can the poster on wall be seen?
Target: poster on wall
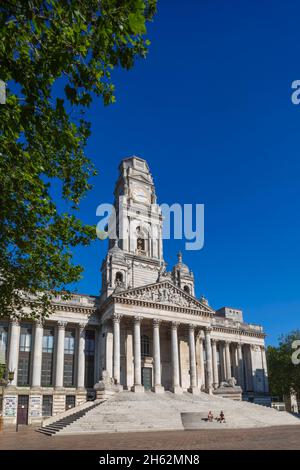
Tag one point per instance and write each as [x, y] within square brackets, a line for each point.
[10, 406]
[35, 406]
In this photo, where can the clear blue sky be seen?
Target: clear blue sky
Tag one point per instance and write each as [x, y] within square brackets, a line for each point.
[210, 111]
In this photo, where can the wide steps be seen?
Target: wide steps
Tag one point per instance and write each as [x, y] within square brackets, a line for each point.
[60, 424]
[134, 412]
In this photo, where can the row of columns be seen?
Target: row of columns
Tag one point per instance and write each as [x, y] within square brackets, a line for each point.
[225, 362]
[13, 356]
[176, 388]
[210, 377]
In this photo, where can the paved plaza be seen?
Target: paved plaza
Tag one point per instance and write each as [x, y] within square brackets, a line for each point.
[273, 438]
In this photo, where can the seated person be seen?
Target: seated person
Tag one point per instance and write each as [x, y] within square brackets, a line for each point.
[210, 416]
[222, 417]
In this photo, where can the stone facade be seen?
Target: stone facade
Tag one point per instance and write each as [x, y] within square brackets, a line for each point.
[146, 330]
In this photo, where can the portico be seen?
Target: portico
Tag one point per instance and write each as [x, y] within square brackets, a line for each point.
[176, 344]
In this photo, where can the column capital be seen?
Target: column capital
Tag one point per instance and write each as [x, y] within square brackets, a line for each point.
[138, 319]
[15, 321]
[227, 343]
[192, 326]
[207, 329]
[156, 322]
[116, 318]
[214, 341]
[62, 325]
[175, 325]
[239, 345]
[39, 322]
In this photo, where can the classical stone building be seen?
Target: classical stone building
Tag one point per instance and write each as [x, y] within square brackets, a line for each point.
[147, 329]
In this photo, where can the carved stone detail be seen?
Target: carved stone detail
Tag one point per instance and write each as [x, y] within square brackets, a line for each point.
[40, 323]
[165, 294]
[116, 318]
[138, 319]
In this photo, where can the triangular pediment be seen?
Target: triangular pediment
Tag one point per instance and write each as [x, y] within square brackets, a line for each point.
[164, 292]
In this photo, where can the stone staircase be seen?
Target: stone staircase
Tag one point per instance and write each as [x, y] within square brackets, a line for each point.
[60, 424]
[129, 412]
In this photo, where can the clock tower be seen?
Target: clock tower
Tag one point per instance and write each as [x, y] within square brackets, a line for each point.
[138, 227]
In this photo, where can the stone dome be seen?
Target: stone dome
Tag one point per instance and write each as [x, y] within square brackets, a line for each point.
[180, 266]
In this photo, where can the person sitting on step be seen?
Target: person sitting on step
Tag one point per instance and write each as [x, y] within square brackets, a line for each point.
[222, 417]
[210, 417]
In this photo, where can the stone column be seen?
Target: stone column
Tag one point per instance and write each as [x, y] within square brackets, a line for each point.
[201, 379]
[156, 356]
[192, 353]
[175, 359]
[228, 361]
[37, 355]
[215, 363]
[99, 356]
[240, 366]
[81, 357]
[222, 362]
[209, 386]
[59, 376]
[249, 371]
[137, 387]
[235, 361]
[265, 369]
[13, 355]
[116, 348]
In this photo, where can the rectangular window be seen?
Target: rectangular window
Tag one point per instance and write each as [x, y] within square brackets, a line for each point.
[69, 341]
[25, 339]
[69, 358]
[89, 358]
[24, 356]
[47, 357]
[47, 405]
[48, 340]
[3, 342]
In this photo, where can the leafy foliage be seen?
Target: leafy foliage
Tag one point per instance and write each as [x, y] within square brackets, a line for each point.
[74, 44]
[284, 376]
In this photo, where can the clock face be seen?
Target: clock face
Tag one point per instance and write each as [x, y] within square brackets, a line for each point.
[140, 195]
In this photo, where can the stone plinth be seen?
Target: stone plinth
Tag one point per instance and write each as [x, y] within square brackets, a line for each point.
[235, 392]
[106, 387]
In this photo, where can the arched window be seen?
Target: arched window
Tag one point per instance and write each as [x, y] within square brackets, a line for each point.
[119, 277]
[186, 289]
[141, 241]
[146, 346]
